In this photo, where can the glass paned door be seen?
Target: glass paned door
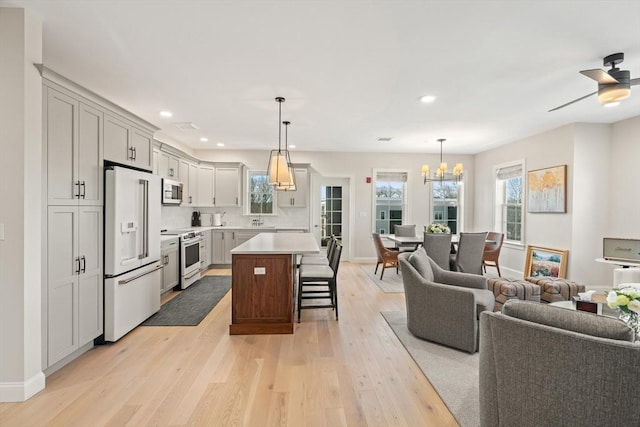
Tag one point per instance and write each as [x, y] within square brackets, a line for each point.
[331, 213]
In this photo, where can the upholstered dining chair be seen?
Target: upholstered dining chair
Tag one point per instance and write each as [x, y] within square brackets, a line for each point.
[387, 257]
[492, 251]
[468, 259]
[406, 230]
[438, 247]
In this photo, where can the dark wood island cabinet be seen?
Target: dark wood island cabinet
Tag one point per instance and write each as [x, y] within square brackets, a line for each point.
[263, 279]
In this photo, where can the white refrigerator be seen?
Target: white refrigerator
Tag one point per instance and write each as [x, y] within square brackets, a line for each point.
[132, 283]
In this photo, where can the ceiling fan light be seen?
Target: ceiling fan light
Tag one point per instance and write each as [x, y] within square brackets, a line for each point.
[613, 93]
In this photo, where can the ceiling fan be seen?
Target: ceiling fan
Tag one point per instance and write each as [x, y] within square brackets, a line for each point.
[613, 85]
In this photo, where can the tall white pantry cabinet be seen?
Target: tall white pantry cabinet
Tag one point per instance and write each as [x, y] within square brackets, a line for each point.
[73, 148]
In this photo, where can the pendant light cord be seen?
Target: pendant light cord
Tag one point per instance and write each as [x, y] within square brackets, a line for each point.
[280, 100]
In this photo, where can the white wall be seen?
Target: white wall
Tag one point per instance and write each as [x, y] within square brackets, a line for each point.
[547, 149]
[358, 166]
[21, 195]
[602, 193]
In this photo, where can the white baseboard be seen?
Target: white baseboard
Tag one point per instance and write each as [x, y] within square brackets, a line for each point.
[20, 391]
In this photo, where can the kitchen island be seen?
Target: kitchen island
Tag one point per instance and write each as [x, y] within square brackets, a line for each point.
[262, 282]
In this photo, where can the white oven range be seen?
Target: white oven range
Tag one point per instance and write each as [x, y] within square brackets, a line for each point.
[189, 255]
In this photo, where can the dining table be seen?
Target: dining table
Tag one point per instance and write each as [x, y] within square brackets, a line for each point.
[416, 241]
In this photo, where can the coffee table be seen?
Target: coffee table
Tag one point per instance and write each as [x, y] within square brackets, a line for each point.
[600, 299]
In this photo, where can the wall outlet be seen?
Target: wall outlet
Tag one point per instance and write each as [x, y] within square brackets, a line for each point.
[259, 271]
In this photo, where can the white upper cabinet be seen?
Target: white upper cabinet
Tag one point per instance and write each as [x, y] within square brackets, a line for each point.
[126, 144]
[73, 141]
[168, 166]
[299, 197]
[227, 186]
[205, 186]
[189, 177]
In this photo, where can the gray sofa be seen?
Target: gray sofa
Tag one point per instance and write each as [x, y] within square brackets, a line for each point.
[548, 366]
[443, 306]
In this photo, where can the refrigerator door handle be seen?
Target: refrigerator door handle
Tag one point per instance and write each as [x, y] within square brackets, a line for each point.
[131, 279]
[145, 218]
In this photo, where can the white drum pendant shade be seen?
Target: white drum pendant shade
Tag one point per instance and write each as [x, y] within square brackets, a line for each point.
[278, 170]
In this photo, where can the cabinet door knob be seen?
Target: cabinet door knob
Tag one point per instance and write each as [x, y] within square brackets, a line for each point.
[84, 264]
[77, 265]
[77, 184]
[84, 190]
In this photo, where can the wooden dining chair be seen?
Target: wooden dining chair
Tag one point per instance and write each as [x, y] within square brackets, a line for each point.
[387, 257]
[492, 251]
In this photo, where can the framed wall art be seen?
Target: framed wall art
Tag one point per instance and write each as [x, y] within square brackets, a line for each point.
[545, 262]
[547, 190]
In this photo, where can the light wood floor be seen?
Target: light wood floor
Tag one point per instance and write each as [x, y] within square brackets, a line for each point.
[353, 372]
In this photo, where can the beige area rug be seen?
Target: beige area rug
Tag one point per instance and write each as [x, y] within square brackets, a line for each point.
[391, 282]
[453, 373]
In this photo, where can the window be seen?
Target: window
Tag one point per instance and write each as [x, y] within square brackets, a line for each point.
[446, 210]
[390, 200]
[260, 194]
[509, 192]
[331, 212]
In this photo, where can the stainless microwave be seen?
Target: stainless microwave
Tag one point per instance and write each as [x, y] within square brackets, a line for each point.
[171, 192]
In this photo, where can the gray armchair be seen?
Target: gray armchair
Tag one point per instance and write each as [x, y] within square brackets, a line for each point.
[548, 366]
[443, 306]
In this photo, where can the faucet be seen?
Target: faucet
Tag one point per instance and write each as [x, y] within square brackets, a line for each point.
[257, 222]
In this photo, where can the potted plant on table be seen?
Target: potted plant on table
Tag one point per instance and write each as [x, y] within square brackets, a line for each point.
[437, 228]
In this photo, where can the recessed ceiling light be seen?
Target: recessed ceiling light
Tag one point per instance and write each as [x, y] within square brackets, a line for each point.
[203, 139]
[428, 98]
[292, 146]
[611, 104]
[220, 144]
[166, 113]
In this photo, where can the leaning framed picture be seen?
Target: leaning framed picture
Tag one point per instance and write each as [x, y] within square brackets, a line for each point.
[545, 262]
[547, 190]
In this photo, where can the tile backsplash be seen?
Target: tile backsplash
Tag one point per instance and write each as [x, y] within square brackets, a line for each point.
[180, 217]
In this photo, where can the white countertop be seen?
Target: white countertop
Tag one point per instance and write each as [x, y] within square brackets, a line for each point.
[259, 229]
[278, 243]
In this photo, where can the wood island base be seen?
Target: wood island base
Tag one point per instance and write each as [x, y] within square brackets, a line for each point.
[262, 294]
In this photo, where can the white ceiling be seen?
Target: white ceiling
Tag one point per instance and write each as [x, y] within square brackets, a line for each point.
[352, 71]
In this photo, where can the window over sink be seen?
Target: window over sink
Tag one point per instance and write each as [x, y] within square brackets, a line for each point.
[260, 194]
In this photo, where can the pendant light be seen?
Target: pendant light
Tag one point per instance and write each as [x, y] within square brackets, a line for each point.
[442, 174]
[278, 169]
[292, 175]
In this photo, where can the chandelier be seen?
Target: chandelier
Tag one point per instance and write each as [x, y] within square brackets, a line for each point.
[279, 169]
[441, 174]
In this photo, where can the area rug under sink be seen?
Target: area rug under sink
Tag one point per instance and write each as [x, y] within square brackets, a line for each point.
[192, 304]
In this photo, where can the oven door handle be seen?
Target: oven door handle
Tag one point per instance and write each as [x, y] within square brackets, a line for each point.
[192, 274]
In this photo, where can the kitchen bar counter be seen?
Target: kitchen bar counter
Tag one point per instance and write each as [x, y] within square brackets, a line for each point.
[279, 243]
[262, 282]
[262, 228]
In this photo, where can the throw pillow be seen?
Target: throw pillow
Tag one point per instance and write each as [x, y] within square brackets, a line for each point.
[420, 261]
[575, 321]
